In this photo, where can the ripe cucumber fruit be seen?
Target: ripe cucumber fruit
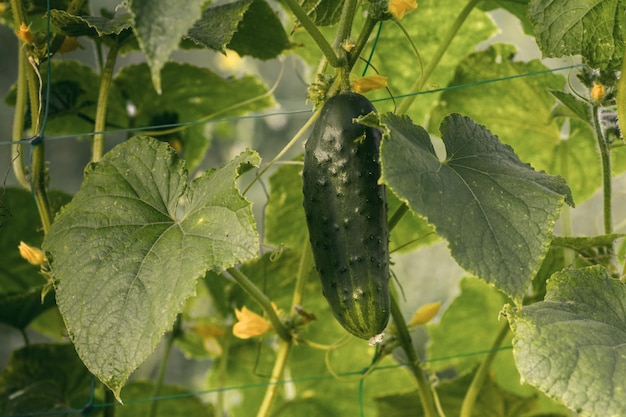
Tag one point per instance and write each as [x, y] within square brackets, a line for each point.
[346, 213]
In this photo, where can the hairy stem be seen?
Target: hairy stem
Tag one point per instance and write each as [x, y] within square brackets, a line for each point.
[423, 386]
[314, 32]
[277, 373]
[19, 168]
[436, 59]
[605, 158]
[97, 149]
[361, 41]
[481, 374]
[265, 303]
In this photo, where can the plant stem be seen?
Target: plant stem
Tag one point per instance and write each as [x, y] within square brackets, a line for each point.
[344, 27]
[222, 369]
[265, 303]
[163, 366]
[103, 100]
[397, 216]
[19, 168]
[605, 158]
[277, 373]
[314, 32]
[481, 374]
[436, 59]
[361, 41]
[423, 386]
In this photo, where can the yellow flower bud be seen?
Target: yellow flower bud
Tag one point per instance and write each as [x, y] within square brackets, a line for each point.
[597, 91]
[369, 83]
[398, 8]
[249, 324]
[34, 256]
[25, 34]
[425, 313]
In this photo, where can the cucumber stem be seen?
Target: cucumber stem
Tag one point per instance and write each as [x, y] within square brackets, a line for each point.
[423, 386]
[605, 158]
[277, 373]
[314, 32]
[265, 303]
[106, 79]
[19, 168]
[479, 378]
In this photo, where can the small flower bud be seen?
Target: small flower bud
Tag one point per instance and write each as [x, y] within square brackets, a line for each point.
[34, 256]
[369, 83]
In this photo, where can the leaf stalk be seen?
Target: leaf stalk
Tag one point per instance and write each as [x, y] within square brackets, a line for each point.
[106, 79]
[423, 386]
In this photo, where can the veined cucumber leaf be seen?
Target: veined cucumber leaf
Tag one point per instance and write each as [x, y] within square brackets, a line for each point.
[572, 345]
[496, 212]
[591, 28]
[159, 26]
[127, 251]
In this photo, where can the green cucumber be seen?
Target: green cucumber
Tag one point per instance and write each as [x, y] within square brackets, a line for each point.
[346, 213]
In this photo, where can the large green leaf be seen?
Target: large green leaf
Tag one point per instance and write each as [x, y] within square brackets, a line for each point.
[127, 251]
[44, 379]
[92, 26]
[523, 119]
[572, 346]
[260, 34]
[159, 26]
[496, 212]
[591, 28]
[469, 325]
[190, 94]
[218, 24]
[492, 401]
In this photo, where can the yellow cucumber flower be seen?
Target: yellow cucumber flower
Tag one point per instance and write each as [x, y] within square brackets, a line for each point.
[34, 256]
[398, 8]
[249, 324]
[368, 83]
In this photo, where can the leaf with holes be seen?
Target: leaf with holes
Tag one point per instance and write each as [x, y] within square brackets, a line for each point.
[572, 345]
[496, 212]
[127, 251]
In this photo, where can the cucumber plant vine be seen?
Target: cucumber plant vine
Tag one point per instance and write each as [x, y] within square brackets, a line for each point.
[154, 243]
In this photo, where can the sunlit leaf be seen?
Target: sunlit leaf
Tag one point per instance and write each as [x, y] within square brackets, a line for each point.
[591, 28]
[525, 97]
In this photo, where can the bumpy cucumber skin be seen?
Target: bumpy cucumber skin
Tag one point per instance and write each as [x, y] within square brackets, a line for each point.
[346, 213]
